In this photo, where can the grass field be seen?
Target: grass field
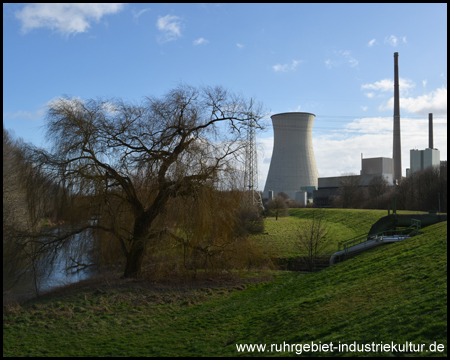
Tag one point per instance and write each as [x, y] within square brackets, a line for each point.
[394, 293]
[281, 235]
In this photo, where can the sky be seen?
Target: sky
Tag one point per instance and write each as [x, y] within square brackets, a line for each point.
[333, 60]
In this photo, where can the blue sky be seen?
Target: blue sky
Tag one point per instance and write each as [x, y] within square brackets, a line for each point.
[333, 60]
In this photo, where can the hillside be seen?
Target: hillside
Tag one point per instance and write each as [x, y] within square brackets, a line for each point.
[394, 293]
[281, 235]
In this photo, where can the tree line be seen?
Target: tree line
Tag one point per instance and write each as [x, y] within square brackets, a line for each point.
[424, 190]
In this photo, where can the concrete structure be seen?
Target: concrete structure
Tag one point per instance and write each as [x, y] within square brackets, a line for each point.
[370, 168]
[309, 192]
[422, 159]
[380, 165]
[397, 147]
[430, 131]
[301, 197]
[293, 164]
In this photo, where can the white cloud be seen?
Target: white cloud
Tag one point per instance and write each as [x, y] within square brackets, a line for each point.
[370, 95]
[434, 102]
[388, 85]
[353, 62]
[136, 15]
[340, 151]
[24, 114]
[364, 108]
[341, 57]
[347, 57]
[371, 42]
[200, 41]
[393, 40]
[109, 108]
[373, 137]
[170, 26]
[424, 83]
[240, 46]
[286, 67]
[75, 102]
[68, 18]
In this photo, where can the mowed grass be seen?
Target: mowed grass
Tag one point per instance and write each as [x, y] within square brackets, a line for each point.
[394, 293]
[281, 236]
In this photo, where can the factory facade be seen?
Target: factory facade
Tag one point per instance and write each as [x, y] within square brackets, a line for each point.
[370, 168]
[423, 159]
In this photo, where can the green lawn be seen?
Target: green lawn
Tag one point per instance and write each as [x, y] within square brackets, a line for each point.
[394, 293]
[281, 235]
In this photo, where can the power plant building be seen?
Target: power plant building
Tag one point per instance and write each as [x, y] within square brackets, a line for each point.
[293, 165]
[422, 159]
[370, 168]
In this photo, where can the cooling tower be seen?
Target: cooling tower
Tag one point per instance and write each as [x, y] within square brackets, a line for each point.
[293, 164]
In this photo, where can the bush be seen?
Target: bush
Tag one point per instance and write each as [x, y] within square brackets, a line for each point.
[277, 207]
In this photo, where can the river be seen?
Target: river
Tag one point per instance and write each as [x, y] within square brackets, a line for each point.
[54, 275]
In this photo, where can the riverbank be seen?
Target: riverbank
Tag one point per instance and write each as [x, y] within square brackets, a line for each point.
[392, 294]
[111, 282]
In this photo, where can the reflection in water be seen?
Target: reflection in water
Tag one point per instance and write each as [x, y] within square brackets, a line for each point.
[54, 274]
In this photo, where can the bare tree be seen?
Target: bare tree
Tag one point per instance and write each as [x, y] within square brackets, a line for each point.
[277, 206]
[423, 190]
[15, 213]
[21, 258]
[312, 238]
[125, 163]
[283, 195]
[378, 187]
[350, 192]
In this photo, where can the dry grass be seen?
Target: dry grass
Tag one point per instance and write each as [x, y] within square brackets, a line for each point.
[129, 289]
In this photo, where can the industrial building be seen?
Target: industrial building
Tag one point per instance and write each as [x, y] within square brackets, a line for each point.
[370, 168]
[423, 159]
[293, 165]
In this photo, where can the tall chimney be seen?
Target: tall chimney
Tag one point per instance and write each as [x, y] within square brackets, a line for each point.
[397, 151]
[430, 130]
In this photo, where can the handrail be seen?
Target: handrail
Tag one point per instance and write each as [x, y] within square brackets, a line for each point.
[415, 227]
[359, 239]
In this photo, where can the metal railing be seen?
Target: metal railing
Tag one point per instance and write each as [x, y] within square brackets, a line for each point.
[412, 230]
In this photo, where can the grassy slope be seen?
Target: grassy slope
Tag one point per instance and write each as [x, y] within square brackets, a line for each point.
[344, 224]
[396, 293]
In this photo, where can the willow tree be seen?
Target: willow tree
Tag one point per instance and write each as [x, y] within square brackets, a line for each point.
[125, 162]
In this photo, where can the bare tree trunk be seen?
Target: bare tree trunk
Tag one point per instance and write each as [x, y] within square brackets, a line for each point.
[135, 259]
